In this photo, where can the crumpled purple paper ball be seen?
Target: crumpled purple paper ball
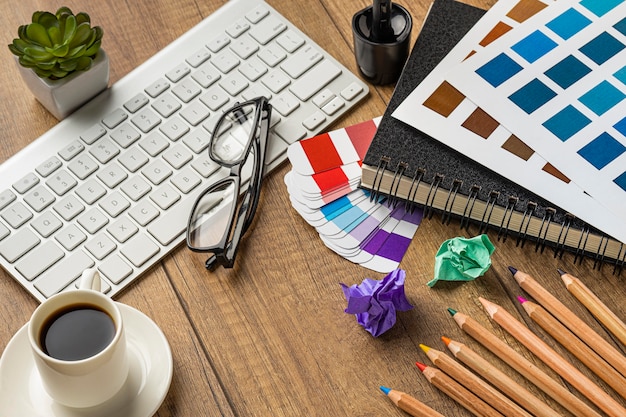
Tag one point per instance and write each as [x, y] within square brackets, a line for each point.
[375, 302]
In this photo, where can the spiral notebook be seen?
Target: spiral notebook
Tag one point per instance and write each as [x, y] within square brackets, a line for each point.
[409, 165]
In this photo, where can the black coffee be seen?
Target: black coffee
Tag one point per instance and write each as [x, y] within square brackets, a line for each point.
[76, 332]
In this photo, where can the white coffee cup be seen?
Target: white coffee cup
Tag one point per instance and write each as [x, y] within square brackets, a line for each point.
[88, 381]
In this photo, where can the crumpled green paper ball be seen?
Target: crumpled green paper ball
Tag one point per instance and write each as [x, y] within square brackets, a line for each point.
[462, 259]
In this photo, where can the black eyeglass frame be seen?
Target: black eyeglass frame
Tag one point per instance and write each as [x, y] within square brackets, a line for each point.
[244, 207]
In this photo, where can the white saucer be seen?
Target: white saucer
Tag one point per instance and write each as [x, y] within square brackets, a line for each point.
[22, 394]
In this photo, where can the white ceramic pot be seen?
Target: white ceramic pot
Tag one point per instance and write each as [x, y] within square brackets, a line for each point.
[62, 97]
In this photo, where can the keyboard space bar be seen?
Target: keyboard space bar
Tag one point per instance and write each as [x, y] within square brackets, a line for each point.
[173, 223]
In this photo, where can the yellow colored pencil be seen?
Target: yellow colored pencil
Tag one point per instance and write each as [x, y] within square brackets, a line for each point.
[522, 365]
[551, 358]
[499, 379]
[473, 383]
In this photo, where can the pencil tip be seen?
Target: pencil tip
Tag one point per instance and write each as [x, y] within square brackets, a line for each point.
[451, 311]
[512, 270]
[521, 299]
[421, 366]
[446, 340]
[424, 348]
[385, 389]
[561, 272]
[490, 307]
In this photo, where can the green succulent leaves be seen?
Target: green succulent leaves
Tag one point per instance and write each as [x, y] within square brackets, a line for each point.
[56, 45]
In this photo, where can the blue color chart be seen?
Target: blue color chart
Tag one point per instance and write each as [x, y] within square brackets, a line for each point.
[558, 82]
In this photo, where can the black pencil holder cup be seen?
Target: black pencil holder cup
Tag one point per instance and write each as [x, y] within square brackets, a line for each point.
[381, 62]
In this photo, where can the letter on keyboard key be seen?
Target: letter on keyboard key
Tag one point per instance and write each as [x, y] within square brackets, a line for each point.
[139, 250]
[39, 259]
[315, 79]
[63, 274]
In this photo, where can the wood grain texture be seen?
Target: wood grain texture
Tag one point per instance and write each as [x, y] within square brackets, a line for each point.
[270, 336]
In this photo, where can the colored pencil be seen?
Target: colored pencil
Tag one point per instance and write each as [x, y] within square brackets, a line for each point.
[522, 365]
[499, 379]
[479, 387]
[409, 404]
[595, 306]
[575, 346]
[570, 320]
[551, 358]
[457, 392]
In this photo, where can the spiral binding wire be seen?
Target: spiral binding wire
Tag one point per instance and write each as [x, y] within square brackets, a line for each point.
[504, 229]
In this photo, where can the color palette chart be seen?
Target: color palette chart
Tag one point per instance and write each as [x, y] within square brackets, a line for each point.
[323, 189]
[558, 82]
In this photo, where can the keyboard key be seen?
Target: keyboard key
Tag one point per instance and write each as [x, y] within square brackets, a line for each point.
[39, 198]
[122, 229]
[39, 260]
[217, 43]
[276, 81]
[90, 191]
[139, 250]
[154, 143]
[63, 273]
[313, 121]
[83, 166]
[49, 166]
[136, 103]
[4, 231]
[172, 223]
[62, 182]
[177, 156]
[186, 180]
[125, 135]
[252, 69]
[267, 29]
[70, 237]
[186, 90]
[114, 118]
[6, 198]
[198, 57]
[256, 14]
[133, 159]
[157, 172]
[46, 224]
[205, 166]
[333, 106]
[157, 87]
[115, 269]
[214, 98]
[144, 212]
[100, 246]
[177, 73]
[290, 41]
[16, 245]
[165, 196]
[174, 128]
[285, 103]
[69, 207]
[236, 29]
[272, 55]
[114, 204]
[112, 175]
[93, 220]
[315, 80]
[166, 105]
[206, 75]
[104, 150]
[71, 150]
[351, 91]
[195, 113]
[244, 47]
[225, 61]
[26, 183]
[93, 134]
[16, 215]
[135, 188]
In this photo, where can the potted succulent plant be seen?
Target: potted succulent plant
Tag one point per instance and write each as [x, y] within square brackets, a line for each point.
[61, 59]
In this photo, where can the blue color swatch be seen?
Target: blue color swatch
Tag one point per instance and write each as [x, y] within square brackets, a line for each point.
[621, 181]
[602, 150]
[499, 69]
[621, 126]
[600, 7]
[568, 71]
[621, 75]
[602, 97]
[621, 26]
[566, 123]
[534, 46]
[602, 48]
[568, 23]
[532, 96]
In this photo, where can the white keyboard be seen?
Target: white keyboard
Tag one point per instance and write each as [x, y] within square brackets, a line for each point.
[112, 185]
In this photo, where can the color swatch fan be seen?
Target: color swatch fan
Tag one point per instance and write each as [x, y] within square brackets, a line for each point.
[323, 189]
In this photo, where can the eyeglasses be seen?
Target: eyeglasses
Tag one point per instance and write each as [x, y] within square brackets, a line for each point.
[222, 213]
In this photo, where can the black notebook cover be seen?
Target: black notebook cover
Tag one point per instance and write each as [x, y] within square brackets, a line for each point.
[409, 156]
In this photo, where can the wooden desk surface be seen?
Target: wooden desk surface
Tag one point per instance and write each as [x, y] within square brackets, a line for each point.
[270, 337]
